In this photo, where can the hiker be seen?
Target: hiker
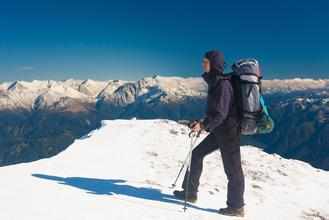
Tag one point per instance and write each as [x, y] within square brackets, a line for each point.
[222, 123]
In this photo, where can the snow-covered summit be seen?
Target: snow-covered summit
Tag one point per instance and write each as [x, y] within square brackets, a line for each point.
[123, 171]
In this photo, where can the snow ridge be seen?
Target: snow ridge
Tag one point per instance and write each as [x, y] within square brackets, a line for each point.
[123, 170]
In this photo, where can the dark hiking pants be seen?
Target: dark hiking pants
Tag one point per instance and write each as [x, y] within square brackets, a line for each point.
[229, 145]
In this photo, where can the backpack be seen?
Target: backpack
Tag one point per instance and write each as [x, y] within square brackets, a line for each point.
[252, 110]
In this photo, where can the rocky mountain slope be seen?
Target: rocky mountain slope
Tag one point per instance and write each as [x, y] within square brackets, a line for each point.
[40, 118]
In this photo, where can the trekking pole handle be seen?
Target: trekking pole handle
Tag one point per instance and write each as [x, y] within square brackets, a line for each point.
[194, 134]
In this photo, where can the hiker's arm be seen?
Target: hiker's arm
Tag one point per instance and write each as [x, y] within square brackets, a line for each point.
[223, 103]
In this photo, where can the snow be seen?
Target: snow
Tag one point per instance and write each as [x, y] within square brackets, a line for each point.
[91, 87]
[325, 101]
[190, 86]
[110, 88]
[25, 95]
[296, 84]
[148, 89]
[123, 171]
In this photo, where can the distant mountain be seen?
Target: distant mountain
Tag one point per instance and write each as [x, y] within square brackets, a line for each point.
[40, 118]
[302, 126]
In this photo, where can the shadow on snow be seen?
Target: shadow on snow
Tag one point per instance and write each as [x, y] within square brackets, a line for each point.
[117, 187]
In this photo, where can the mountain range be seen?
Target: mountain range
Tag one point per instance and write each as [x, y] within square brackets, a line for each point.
[39, 119]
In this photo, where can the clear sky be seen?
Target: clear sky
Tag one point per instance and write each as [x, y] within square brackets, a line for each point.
[126, 39]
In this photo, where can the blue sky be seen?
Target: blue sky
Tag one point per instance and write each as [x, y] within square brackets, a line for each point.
[130, 39]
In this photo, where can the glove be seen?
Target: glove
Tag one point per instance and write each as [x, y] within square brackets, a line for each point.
[197, 126]
[191, 124]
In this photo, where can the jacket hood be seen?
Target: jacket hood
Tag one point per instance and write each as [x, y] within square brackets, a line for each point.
[216, 59]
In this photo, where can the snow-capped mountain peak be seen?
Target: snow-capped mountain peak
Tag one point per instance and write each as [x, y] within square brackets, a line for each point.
[24, 95]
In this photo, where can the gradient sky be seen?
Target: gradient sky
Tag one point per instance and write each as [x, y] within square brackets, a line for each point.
[96, 39]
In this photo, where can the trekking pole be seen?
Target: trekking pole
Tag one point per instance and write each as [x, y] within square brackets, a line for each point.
[187, 183]
[184, 163]
[179, 173]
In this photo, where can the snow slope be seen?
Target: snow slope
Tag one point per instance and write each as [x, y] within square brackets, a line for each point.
[123, 170]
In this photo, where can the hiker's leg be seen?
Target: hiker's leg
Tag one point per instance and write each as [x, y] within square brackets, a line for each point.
[207, 146]
[231, 156]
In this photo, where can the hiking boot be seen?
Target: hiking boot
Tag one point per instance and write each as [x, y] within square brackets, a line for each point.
[238, 212]
[191, 197]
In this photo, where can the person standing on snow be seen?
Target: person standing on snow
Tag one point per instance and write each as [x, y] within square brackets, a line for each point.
[222, 123]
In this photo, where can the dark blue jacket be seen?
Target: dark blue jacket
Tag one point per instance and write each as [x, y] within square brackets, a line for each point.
[220, 103]
[221, 109]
